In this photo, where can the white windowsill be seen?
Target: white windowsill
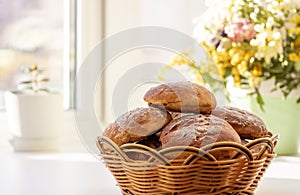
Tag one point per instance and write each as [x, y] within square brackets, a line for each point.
[282, 177]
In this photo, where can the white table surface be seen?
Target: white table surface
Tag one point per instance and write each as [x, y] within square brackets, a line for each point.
[83, 174]
[54, 174]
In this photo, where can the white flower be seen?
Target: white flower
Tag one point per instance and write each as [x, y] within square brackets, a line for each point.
[206, 30]
[268, 44]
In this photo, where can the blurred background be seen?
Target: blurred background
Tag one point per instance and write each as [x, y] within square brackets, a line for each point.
[59, 35]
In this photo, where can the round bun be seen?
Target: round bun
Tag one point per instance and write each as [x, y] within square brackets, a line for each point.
[246, 124]
[136, 125]
[197, 130]
[181, 97]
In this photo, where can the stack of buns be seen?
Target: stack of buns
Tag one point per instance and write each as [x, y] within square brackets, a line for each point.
[184, 114]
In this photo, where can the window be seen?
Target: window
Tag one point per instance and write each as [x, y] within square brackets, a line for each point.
[35, 32]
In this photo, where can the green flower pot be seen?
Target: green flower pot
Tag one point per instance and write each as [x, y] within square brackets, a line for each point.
[282, 117]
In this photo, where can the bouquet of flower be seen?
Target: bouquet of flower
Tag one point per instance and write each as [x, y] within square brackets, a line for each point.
[250, 41]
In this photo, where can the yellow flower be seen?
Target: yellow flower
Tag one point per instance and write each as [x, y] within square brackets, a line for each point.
[243, 67]
[237, 80]
[256, 69]
[248, 55]
[226, 64]
[181, 59]
[294, 24]
[236, 59]
[297, 41]
[235, 71]
[199, 78]
[254, 81]
[221, 71]
[221, 56]
[237, 55]
[294, 57]
[234, 50]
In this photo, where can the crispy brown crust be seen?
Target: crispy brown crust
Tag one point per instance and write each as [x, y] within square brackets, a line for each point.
[179, 114]
[181, 97]
[197, 130]
[246, 124]
[137, 124]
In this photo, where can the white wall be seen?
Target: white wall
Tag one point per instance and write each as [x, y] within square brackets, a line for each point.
[123, 15]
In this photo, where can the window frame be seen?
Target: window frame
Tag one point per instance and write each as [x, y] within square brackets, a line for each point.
[87, 34]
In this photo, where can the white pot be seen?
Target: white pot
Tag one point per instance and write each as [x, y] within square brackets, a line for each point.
[34, 119]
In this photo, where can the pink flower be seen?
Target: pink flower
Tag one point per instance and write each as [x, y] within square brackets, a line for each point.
[240, 30]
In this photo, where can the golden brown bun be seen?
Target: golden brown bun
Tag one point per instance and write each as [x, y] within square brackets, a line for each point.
[197, 130]
[181, 97]
[137, 124]
[246, 124]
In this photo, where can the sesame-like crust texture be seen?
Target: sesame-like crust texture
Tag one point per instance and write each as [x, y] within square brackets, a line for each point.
[246, 124]
[197, 130]
[136, 125]
[181, 97]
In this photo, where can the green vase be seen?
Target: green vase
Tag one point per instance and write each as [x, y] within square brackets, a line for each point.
[282, 117]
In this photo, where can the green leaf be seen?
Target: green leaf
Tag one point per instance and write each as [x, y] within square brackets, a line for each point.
[27, 88]
[260, 100]
[252, 93]
[44, 80]
[44, 89]
[26, 82]
[297, 66]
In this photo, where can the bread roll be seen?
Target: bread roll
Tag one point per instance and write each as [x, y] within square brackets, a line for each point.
[136, 125]
[181, 97]
[197, 130]
[246, 124]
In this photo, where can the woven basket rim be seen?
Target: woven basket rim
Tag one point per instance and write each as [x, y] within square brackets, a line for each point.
[269, 144]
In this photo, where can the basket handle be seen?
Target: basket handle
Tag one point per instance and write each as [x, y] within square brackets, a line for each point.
[195, 153]
[242, 149]
[154, 155]
[267, 145]
[104, 140]
[192, 158]
[275, 139]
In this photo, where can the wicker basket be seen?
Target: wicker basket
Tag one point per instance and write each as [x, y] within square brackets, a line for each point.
[188, 170]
